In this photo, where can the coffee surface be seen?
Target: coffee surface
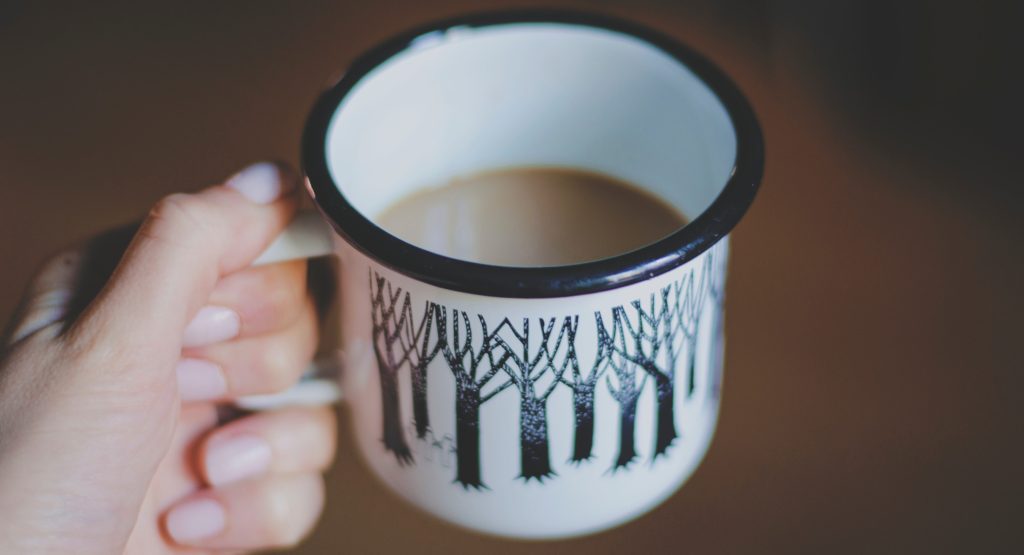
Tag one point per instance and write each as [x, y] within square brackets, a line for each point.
[531, 217]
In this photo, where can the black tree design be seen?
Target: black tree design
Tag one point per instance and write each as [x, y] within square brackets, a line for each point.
[421, 353]
[391, 311]
[689, 314]
[665, 325]
[627, 390]
[716, 290]
[473, 368]
[645, 341]
[526, 367]
[583, 387]
[653, 332]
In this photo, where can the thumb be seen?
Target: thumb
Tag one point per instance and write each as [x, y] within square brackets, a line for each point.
[184, 246]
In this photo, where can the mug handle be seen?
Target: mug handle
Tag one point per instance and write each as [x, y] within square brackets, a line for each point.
[307, 236]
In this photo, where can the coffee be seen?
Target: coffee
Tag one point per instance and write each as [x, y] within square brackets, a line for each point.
[531, 217]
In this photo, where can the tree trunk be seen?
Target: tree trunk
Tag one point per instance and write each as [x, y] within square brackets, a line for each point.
[717, 355]
[533, 437]
[394, 437]
[583, 403]
[467, 438]
[666, 423]
[419, 400]
[627, 429]
[691, 367]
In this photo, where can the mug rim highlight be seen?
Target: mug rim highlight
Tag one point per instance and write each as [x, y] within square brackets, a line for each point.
[670, 252]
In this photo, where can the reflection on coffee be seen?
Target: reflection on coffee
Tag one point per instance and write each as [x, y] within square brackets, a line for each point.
[531, 217]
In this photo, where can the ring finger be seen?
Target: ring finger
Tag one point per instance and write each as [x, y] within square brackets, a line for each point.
[296, 439]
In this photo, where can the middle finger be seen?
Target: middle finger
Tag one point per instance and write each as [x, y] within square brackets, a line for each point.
[263, 364]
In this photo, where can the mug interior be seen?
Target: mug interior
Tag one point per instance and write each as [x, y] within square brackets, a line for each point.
[466, 99]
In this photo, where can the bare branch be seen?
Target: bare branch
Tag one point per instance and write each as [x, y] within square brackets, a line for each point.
[616, 393]
[535, 379]
[468, 348]
[497, 390]
[553, 384]
[495, 367]
[620, 318]
[545, 336]
[602, 369]
[505, 322]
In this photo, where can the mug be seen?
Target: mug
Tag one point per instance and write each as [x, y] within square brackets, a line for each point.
[530, 402]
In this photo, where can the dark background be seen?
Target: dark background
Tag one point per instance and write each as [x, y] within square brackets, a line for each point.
[872, 400]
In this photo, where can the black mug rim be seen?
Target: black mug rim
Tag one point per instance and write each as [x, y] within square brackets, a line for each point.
[670, 252]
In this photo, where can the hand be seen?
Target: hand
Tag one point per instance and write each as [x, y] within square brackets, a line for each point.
[109, 435]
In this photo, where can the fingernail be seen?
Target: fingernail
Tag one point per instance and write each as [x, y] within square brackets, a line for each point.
[211, 324]
[261, 183]
[200, 380]
[237, 458]
[195, 520]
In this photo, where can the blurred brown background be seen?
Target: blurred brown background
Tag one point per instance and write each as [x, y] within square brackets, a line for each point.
[874, 378]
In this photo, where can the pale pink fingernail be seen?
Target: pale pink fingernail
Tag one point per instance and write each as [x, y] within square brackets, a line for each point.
[261, 183]
[211, 324]
[236, 458]
[200, 380]
[196, 520]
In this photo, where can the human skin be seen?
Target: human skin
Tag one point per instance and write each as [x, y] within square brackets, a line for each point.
[110, 440]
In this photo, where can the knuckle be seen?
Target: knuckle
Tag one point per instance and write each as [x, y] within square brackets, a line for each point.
[178, 214]
[57, 271]
[176, 206]
[329, 425]
[282, 532]
[59, 262]
[328, 419]
[284, 525]
[281, 295]
[48, 297]
[281, 366]
[310, 333]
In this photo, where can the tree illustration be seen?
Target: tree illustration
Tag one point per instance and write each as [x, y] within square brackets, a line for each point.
[528, 366]
[645, 341]
[716, 290]
[583, 386]
[693, 292]
[651, 346]
[624, 388]
[391, 312]
[473, 365]
[417, 341]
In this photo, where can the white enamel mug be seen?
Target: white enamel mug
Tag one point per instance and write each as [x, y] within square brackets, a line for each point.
[540, 402]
